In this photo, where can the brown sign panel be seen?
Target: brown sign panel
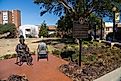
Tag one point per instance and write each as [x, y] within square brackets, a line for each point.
[80, 30]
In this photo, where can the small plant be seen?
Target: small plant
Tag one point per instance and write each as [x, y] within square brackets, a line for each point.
[83, 58]
[13, 55]
[92, 57]
[33, 53]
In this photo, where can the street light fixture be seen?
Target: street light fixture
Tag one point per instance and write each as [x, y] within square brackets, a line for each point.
[114, 10]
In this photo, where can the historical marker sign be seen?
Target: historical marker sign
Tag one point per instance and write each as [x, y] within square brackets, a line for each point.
[80, 30]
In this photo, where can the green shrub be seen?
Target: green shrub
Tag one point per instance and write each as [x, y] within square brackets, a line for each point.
[13, 55]
[85, 42]
[7, 56]
[92, 57]
[84, 58]
[56, 52]
[43, 30]
[8, 28]
[1, 58]
[109, 37]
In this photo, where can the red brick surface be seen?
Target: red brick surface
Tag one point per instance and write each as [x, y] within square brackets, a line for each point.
[40, 71]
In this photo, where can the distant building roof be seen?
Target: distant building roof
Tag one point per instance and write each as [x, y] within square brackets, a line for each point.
[28, 26]
[119, 25]
[110, 24]
[52, 28]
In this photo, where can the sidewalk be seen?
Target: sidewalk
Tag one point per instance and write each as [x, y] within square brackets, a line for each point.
[40, 71]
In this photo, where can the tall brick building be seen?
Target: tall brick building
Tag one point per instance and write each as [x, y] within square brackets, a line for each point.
[13, 16]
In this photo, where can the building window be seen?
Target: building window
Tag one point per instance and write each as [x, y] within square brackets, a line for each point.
[5, 18]
[107, 29]
[28, 30]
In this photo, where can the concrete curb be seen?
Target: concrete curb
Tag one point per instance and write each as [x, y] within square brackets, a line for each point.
[116, 74]
[112, 76]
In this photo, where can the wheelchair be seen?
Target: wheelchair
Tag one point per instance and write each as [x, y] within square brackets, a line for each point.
[25, 58]
[42, 55]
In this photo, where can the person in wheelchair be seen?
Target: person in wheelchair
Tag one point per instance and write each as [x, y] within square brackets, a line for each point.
[22, 51]
[42, 50]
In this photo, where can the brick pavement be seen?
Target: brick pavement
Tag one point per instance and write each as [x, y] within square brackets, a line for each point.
[39, 71]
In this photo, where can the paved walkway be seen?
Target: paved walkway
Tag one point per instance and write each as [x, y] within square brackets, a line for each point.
[40, 71]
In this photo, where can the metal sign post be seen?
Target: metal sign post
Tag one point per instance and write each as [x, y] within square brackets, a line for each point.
[80, 51]
[80, 31]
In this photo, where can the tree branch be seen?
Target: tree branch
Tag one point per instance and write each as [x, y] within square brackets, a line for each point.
[88, 12]
[70, 9]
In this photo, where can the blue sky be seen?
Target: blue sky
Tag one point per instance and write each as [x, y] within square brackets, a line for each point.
[30, 12]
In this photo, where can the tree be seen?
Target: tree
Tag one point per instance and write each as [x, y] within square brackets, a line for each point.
[43, 30]
[78, 9]
[65, 25]
[8, 28]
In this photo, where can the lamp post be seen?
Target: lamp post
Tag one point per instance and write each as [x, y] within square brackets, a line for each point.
[94, 30]
[101, 37]
[114, 10]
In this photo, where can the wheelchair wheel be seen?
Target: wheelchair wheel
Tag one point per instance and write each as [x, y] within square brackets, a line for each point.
[21, 62]
[37, 58]
[47, 56]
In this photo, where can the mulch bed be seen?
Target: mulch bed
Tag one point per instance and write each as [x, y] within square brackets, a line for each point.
[16, 78]
[97, 61]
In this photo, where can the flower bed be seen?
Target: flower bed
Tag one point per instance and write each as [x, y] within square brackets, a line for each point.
[97, 60]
